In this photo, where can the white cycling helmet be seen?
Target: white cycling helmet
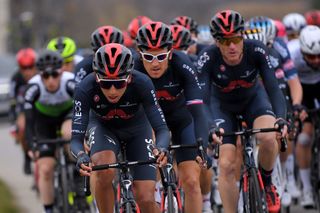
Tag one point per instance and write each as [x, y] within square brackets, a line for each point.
[255, 34]
[310, 40]
[294, 22]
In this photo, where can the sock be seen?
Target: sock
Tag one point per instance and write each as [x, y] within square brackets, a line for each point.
[48, 208]
[290, 168]
[206, 204]
[266, 176]
[305, 179]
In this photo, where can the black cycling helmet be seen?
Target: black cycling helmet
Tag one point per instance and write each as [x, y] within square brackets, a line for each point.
[113, 61]
[49, 61]
[181, 37]
[154, 35]
[187, 22]
[105, 35]
[226, 23]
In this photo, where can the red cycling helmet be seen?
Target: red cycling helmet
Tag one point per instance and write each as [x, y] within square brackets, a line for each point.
[181, 37]
[136, 23]
[113, 61]
[187, 22]
[26, 57]
[226, 23]
[127, 40]
[105, 35]
[280, 29]
[154, 35]
[313, 17]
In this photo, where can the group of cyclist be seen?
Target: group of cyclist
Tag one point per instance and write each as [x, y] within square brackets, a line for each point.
[157, 84]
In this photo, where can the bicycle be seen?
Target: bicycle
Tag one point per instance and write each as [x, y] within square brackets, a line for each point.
[125, 202]
[61, 186]
[172, 195]
[251, 184]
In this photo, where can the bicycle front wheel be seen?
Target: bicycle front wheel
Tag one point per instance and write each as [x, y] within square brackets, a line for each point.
[257, 198]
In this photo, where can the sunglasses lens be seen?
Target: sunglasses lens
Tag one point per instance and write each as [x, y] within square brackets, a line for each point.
[228, 41]
[46, 75]
[162, 57]
[118, 84]
[26, 67]
[311, 57]
[148, 57]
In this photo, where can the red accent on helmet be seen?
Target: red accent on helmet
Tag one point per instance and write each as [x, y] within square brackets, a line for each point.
[105, 35]
[181, 37]
[113, 61]
[128, 42]
[187, 22]
[313, 17]
[281, 29]
[26, 57]
[154, 35]
[135, 25]
[226, 23]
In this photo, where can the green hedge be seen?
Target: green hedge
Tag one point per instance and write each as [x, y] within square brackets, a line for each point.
[7, 202]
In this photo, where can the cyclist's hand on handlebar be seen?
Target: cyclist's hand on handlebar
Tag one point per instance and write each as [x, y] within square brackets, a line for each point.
[300, 111]
[282, 125]
[161, 155]
[215, 135]
[83, 164]
[33, 154]
[202, 162]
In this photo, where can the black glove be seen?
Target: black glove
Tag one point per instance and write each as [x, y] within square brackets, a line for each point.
[214, 130]
[281, 123]
[298, 108]
[82, 158]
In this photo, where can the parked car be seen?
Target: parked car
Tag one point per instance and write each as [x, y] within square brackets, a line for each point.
[7, 68]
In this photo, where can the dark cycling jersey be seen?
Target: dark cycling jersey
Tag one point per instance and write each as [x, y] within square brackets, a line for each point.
[45, 111]
[235, 86]
[17, 88]
[177, 88]
[83, 68]
[137, 102]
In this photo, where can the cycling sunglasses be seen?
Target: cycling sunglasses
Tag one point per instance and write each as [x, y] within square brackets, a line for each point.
[228, 41]
[108, 83]
[160, 57]
[46, 75]
[310, 56]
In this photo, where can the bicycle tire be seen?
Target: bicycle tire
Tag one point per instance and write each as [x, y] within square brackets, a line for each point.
[256, 196]
[170, 197]
[64, 189]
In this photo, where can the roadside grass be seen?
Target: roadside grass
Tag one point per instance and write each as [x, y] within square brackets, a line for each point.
[7, 201]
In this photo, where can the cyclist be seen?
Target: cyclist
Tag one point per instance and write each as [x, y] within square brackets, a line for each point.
[178, 92]
[281, 30]
[48, 102]
[232, 66]
[306, 56]
[182, 41]
[67, 48]
[123, 103]
[289, 83]
[294, 23]
[26, 59]
[135, 24]
[191, 25]
[313, 17]
[100, 36]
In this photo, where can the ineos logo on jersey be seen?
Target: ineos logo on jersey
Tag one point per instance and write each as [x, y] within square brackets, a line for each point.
[171, 85]
[77, 112]
[203, 59]
[268, 61]
[150, 147]
[80, 75]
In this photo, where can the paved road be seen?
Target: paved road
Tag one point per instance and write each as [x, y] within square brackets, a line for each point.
[11, 173]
